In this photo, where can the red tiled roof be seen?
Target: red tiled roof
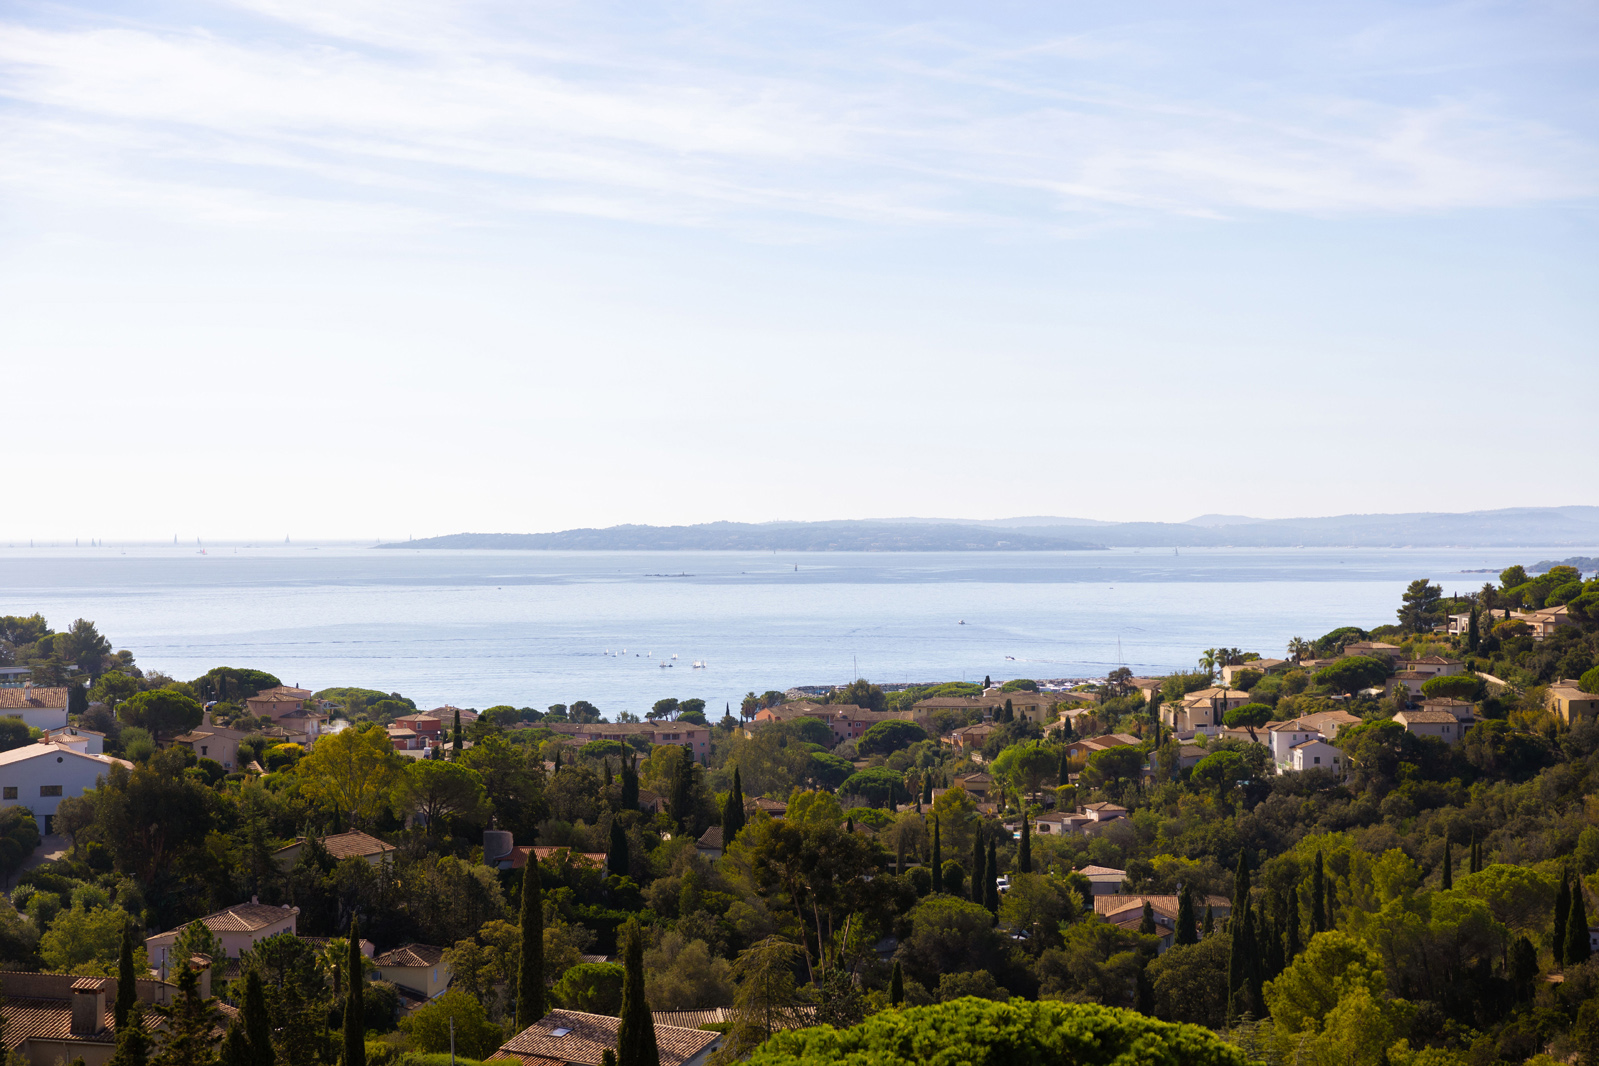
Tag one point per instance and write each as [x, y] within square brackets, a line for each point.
[519, 855]
[411, 955]
[354, 844]
[17, 699]
[589, 1036]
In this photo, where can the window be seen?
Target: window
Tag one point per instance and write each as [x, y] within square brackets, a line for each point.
[202, 749]
[10, 792]
[49, 790]
[1318, 759]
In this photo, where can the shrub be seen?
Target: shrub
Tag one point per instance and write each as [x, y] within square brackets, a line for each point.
[991, 1034]
[885, 738]
[591, 987]
[1466, 687]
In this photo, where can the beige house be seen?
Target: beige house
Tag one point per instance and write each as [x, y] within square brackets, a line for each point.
[1433, 723]
[697, 738]
[51, 1018]
[1082, 749]
[1314, 754]
[1259, 666]
[1567, 702]
[1374, 649]
[970, 737]
[1126, 911]
[1202, 711]
[1032, 707]
[418, 969]
[276, 702]
[352, 845]
[238, 928]
[212, 741]
[1105, 880]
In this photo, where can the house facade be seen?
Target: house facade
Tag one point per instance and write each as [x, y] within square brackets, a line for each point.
[1316, 754]
[238, 928]
[40, 776]
[697, 738]
[419, 969]
[40, 708]
[1568, 702]
[1433, 723]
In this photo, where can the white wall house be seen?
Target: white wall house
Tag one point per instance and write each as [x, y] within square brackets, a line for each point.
[40, 776]
[1317, 754]
[238, 928]
[40, 708]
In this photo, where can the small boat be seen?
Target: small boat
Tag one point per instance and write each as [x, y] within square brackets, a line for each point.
[699, 664]
[961, 622]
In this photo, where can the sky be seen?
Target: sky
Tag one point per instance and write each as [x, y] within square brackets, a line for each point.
[379, 269]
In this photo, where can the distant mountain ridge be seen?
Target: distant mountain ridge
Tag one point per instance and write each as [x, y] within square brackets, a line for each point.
[1576, 526]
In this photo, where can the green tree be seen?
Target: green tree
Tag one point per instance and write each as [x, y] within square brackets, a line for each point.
[441, 791]
[635, 1036]
[1562, 911]
[1024, 851]
[87, 940]
[163, 712]
[455, 735]
[979, 869]
[19, 838]
[428, 1028]
[257, 1021]
[1015, 1031]
[1466, 687]
[1421, 605]
[991, 880]
[188, 1022]
[1188, 983]
[1578, 947]
[617, 861]
[1352, 673]
[1447, 880]
[1333, 962]
[127, 986]
[592, 987]
[133, 1041]
[733, 811]
[885, 738]
[937, 859]
[354, 1009]
[530, 963]
[1250, 716]
[896, 986]
[767, 992]
[1187, 929]
[878, 786]
[198, 939]
[354, 771]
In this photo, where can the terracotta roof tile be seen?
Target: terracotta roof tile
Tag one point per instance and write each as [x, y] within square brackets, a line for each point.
[588, 1036]
[17, 699]
[411, 955]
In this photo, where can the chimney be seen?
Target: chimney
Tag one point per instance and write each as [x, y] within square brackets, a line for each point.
[27, 686]
[88, 1006]
[203, 965]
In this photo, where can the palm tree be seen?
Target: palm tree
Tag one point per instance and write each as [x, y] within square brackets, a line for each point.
[1208, 661]
[1298, 648]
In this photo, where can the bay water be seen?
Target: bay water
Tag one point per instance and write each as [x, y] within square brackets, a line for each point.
[479, 628]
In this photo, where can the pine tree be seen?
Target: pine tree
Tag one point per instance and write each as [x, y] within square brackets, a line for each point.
[938, 859]
[1186, 931]
[979, 875]
[257, 1021]
[733, 811]
[354, 1007]
[635, 1036]
[618, 863]
[1024, 853]
[455, 734]
[896, 986]
[530, 964]
[189, 1020]
[1562, 910]
[1578, 947]
[1318, 898]
[127, 986]
[1449, 867]
[133, 1041]
[991, 881]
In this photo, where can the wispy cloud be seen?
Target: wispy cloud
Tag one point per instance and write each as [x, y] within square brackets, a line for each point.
[414, 114]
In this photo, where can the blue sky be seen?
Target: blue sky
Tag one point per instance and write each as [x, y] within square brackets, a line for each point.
[371, 269]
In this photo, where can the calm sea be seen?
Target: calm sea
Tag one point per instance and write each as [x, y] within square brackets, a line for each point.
[534, 628]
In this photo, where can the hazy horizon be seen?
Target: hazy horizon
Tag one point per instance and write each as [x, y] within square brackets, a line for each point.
[270, 267]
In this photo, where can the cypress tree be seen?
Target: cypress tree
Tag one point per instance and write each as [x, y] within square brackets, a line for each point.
[455, 733]
[938, 859]
[235, 1049]
[1210, 919]
[1143, 990]
[896, 986]
[849, 827]
[1241, 950]
[1471, 630]
[1186, 931]
[927, 788]
[1064, 773]
[608, 1057]
[1578, 947]
[555, 763]
[682, 801]
[1291, 943]
[354, 1007]
[1146, 924]
[635, 1037]
[257, 1022]
[630, 787]
[1449, 867]
[608, 778]
[1024, 854]
[530, 964]
[1318, 898]
[733, 811]
[1562, 910]
[1010, 713]
[991, 881]
[979, 874]
[618, 862]
[127, 987]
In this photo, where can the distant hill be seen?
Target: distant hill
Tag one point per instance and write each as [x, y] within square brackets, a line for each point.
[768, 536]
[1510, 528]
